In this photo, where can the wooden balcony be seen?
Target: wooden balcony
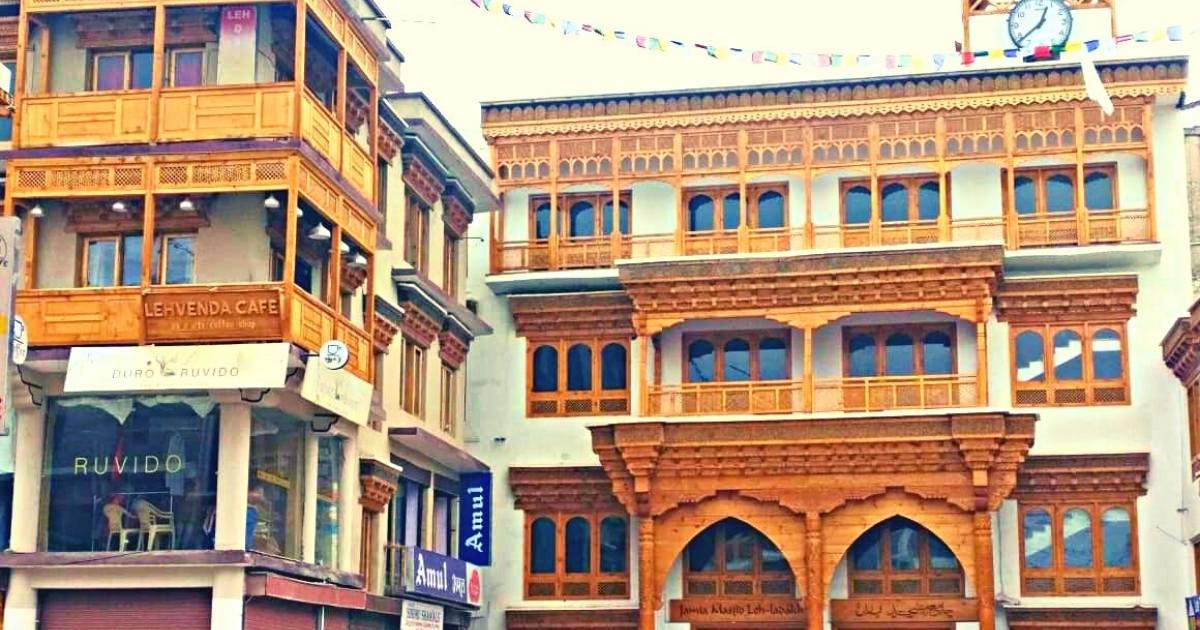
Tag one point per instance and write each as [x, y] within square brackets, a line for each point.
[708, 399]
[188, 314]
[218, 112]
[586, 403]
[322, 132]
[82, 119]
[1096, 227]
[882, 393]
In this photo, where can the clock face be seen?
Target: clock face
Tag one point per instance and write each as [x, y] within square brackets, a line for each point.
[1039, 23]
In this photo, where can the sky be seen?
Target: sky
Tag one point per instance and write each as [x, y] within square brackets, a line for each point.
[461, 55]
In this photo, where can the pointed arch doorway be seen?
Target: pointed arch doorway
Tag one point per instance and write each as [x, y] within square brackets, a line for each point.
[734, 577]
[900, 575]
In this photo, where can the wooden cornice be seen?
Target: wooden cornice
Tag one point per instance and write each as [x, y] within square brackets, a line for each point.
[1181, 346]
[389, 141]
[581, 315]
[456, 216]
[379, 483]
[452, 348]
[384, 331]
[421, 180]
[1067, 299]
[419, 327]
[863, 97]
[8, 35]
[572, 619]
[1137, 618]
[959, 281]
[969, 460]
[1047, 477]
[565, 488]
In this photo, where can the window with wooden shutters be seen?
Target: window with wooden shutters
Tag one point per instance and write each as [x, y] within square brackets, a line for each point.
[573, 555]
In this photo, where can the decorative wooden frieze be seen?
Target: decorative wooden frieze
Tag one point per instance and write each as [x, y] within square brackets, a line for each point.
[98, 217]
[1181, 346]
[384, 331]
[419, 327]
[1137, 618]
[8, 36]
[584, 315]
[1067, 299]
[1067, 476]
[379, 483]
[353, 277]
[421, 180]
[389, 142]
[572, 619]
[452, 349]
[994, 7]
[562, 489]
[456, 216]
[185, 26]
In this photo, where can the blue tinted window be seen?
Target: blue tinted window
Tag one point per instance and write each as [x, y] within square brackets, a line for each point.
[1031, 360]
[772, 360]
[1025, 195]
[583, 220]
[736, 360]
[1098, 191]
[895, 202]
[862, 356]
[1117, 536]
[700, 213]
[858, 205]
[929, 201]
[1060, 193]
[731, 210]
[612, 367]
[541, 221]
[898, 351]
[545, 369]
[1077, 539]
[700, 362]
[579, 368]
[1068, 356]
[541, 546]
[770, 210]
[935, 354]
[1106, 354]
[1039, 540]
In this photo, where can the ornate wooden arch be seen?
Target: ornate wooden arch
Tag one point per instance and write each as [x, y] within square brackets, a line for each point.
[847, 524]
[680, 525]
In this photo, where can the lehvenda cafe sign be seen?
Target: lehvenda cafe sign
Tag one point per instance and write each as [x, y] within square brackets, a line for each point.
[159, 368]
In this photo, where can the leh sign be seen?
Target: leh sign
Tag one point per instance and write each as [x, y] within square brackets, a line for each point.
[159, 368]
[210, 315]
[733, 610]
[904, 610]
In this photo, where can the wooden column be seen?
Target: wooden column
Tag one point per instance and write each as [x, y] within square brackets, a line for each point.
[981, 358]
[743, 231]
[289, 237]
[646, 594]
[1083, 232]
[809, 377]
[643, 343]
[985, 585]
[809, 235]
[1151, 193]
[814, 588]
[156, 65]
[1012, 229]
[298, 70]
[148, 217]
[876, 225]
[19, 87]
[29, 252]
[334, 285]
[43, 86]
[681, 212]
[616, 201]
[342, 96]
[553, 245]
[943, 219]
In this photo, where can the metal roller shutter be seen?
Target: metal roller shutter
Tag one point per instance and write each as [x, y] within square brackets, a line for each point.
[368, 621]
[276, 614]
[177, 609]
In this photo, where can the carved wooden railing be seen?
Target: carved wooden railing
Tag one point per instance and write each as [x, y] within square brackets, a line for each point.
[881, 393]
[585, 403]
[705, 399]
[1097, 227]
[217, 112]
[201, 313]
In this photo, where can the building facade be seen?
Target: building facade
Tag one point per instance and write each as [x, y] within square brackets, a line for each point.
[870, 353]
[209, 195]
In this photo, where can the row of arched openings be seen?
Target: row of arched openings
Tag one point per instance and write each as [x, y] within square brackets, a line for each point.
[1070, 357]
[703, 214]
[880, 353]
[579, 367]
[738, 359]
[581, 220]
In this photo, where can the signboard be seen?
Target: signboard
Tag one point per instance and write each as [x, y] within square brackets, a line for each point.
[20, 341]
[420, 616]
[157, 368]
[338, 391]
[236, 46]
[335, 354]
[10, 260]
[213, 315]
[739, 610]
[441, 577]
[475, 518]
[921, 610]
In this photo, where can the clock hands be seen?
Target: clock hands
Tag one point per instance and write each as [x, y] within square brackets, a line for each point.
[1035, 27]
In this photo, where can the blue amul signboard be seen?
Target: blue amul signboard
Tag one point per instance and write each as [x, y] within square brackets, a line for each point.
[475, 518]
[442, 578]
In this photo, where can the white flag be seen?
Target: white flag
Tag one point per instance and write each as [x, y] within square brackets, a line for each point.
[1095, 87]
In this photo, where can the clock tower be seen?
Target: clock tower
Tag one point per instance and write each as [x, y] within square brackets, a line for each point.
[991, 24]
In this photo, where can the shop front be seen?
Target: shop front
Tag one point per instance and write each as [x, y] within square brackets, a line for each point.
[434, 588]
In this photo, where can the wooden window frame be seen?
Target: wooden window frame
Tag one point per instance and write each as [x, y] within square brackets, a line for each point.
[566, 200]
[912, 184]
[413, 363]
[887, 576]
[915, 331]
[159, 249]
[416, 232]
[85, 244]
[165, 245]
[721, 577]
[172, 52]
[1039, 175]
[718, 341]
[449, 407]
[1057, 572]
[583, 402]
[718, 195]
[450, 263]
[1089, 385]
[94, 58]
[560, 579]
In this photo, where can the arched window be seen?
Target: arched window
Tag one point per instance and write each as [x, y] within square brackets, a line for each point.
[701, 362]
[613, 367]
[1116, 532]
[731, 212]
[623, 218]
[858, 205]
[736, 364]
[583, 220]
[1031, 360]
[929, 201]
[542, 546]
[770, 210]
[1039, 539]
[700, 213]
[732, 558]
[1024, 194]
[905, 546]
[862, 356]
[541, 221]
[545, 369]
[936, 354]
[1060, 193]
[900, 557]
[898, 355]
[894, 202]
[579, 368]
[1077, 539]
[578, 539]
[1068, 356]
[614, 542]
[773, 360]
[1106, 354]
[1098, 191]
